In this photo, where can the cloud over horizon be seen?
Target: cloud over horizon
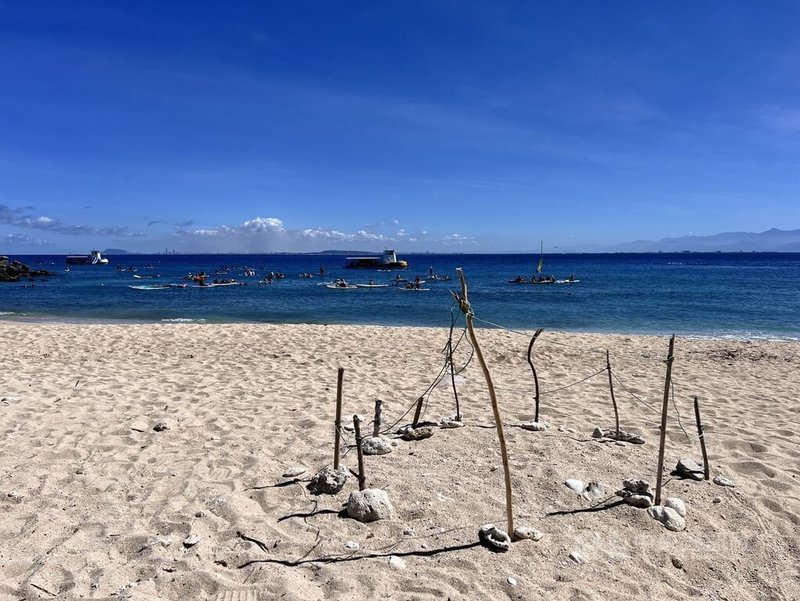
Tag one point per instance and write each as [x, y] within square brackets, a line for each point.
[22, 240]
[267, 234]
[18, 218]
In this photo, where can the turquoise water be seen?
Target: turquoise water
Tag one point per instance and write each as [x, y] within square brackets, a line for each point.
[741, 295]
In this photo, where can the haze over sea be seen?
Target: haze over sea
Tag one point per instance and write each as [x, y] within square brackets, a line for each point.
[738, 295]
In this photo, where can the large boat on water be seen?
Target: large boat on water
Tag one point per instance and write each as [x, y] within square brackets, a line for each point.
[388, 260]
[93, 258]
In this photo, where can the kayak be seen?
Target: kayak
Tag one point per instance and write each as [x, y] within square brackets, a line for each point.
[151, 287]
[220, 284]
[341, 287]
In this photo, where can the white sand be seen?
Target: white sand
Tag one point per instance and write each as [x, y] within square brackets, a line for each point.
[95, 503]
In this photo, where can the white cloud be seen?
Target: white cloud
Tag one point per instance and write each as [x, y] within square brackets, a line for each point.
[17, 218]
[264, 224]
[22, 240]
[326, 234]
[458, 239]
[323, 234]
[266, 234]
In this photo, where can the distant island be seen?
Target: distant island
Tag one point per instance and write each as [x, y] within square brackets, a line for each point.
[773, 240]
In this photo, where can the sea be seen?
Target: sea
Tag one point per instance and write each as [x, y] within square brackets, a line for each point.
[721, 295]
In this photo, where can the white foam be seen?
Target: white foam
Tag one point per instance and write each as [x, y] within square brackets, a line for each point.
[183, 320]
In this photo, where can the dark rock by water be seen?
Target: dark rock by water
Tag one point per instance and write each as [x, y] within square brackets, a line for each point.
[12, 271]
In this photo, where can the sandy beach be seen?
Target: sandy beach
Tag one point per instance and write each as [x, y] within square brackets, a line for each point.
[95, 502]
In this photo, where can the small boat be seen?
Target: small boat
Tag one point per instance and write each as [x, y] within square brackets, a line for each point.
[533, 280]
[148, 276]
[416, 285]
[540, 279]
[371, 285]
[340, 284]
[93, 258]
[223, 283]
[386, 261]
[150, 287]
[437, 277]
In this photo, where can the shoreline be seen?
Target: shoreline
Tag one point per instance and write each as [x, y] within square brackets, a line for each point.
[17, 318]
[97, 501]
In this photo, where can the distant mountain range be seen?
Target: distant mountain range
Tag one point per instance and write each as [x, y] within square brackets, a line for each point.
[773, 240]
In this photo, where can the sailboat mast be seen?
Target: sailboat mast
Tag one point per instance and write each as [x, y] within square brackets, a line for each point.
[540, 265]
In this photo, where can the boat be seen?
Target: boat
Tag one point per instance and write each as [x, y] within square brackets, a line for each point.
[93, 258]
[371, 285]
[437, 277]
[219, 284]
[340, 284]
[540, 279]
[150, 287]
[412, 288]
[533, 280]
[388, 260]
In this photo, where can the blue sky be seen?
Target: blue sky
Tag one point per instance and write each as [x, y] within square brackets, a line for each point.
[440, 125]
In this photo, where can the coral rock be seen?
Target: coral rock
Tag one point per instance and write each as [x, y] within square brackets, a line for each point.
[369, 505]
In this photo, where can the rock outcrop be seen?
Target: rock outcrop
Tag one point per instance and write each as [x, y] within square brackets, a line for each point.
[12, 271]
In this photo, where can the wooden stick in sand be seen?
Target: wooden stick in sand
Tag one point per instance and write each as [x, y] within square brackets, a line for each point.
[418, 412]
[376, 429]
[664, 406]
[357, 428]
[613, 399]
[702, 438]
[453, 371]
[535, 377]
[338, 421]
[463, 302]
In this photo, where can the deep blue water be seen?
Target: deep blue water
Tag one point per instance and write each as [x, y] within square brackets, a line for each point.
[743, 295]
